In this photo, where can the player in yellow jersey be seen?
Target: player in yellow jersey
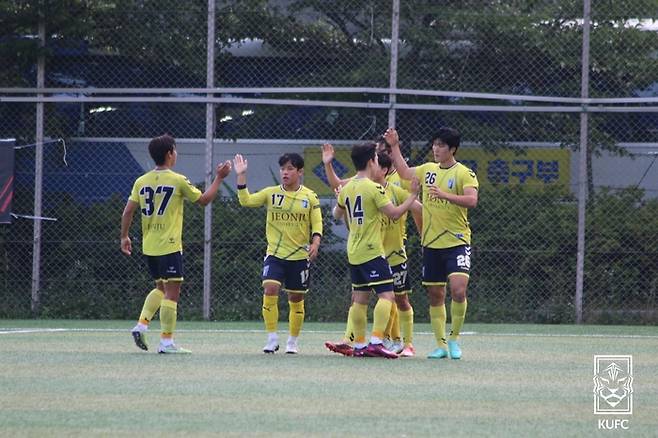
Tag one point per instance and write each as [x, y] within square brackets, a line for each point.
[160, 194]
[294, 219]
[392, 335]
[362, 202]
[449, 190]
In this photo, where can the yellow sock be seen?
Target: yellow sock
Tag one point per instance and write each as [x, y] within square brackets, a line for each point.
[349, 331]
[380, 317]
[296, 317]
[388, 332]
[168, 311]
[457, 316]
[438, 321]
[395, 324]
[151, 305]
[271, 312]
[407, 324]
[359, 320]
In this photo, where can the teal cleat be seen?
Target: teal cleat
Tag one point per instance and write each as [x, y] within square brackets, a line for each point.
[455, 351]
[439, 353]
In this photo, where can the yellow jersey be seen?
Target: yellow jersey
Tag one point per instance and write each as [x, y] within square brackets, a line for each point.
[292, 218]
[362, 198]
[445, 224]
[160, 194]
[393, 230]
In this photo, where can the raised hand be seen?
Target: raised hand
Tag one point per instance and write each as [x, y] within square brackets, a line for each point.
[391, 137]
[223, 169]
[328, 153]
[240, 164]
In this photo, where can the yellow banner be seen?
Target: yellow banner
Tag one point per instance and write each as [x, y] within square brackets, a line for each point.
[535, 167]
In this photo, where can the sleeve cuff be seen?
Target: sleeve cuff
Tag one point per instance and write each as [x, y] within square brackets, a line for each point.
[242, 186]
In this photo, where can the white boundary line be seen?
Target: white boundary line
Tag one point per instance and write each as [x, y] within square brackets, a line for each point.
[11, 331]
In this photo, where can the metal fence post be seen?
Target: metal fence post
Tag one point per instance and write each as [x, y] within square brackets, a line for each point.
[38, 172]
[393, 79]
[582, 164]
[210, 130]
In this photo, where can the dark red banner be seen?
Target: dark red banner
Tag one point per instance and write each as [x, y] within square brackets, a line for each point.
[6, 179]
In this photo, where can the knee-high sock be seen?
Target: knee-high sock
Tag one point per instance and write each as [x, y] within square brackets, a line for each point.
[380, 317]
[271, 312]
[390, 326]
[151, 305]
[168, 313]
[296, 317]
[407, 324]
[359, 320]
[395, 324]
[457, 316]
[438, 321]
[349, 331]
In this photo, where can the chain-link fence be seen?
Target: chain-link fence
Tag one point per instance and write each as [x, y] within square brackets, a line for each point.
[507, 75]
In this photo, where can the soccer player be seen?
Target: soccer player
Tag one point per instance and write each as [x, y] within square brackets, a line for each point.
[394, 249]
[160, 194]
[449, 190]
[392, 338]
[293, 219]
[363, 202]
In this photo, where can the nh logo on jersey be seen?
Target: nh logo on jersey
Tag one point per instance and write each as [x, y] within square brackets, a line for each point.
[451, 183]
[613, 384]
[304, 203]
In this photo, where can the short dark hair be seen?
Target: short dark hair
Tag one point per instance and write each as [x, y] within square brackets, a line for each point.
[159, 147]
[295, 159]
[449, 136]
[384, 160]
[361, 154]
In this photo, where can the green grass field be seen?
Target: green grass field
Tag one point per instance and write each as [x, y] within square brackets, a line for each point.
[75, 378]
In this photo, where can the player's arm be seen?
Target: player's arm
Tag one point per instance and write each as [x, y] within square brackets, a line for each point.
[417, 215]
[221, 172]
[316, 229]
[468, 200]
[328, 155]
[406, 172]
[126, 221]
[246, 199]
[395, 212]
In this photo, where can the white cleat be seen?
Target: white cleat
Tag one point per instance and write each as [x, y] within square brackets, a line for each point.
[271, 346]
[292, 347]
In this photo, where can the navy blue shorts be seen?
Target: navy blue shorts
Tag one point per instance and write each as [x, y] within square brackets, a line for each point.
[401, 283]
[292, 275]
[439, 264]
[374, 275]
[168, 267]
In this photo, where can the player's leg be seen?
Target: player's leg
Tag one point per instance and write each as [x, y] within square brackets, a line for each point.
[380, 277]
[400, 324]
[406, 323]
[169, 316]
[344, 346]
[273, 277]
[296, 283]
[151, 305]
[434, 279]
[459, 264]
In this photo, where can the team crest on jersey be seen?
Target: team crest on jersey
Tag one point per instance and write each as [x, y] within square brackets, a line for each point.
[451, 183]
[304, 203]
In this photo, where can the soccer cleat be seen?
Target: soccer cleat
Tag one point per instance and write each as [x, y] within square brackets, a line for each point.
[359, 352]
[408, 351]
[340, 347]
[139, 336]
[396, 347]
[388, 344]
[439, 353]
[291, 347]
[378, 350]
[271, 346]
[173, 349]
[455, 351]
